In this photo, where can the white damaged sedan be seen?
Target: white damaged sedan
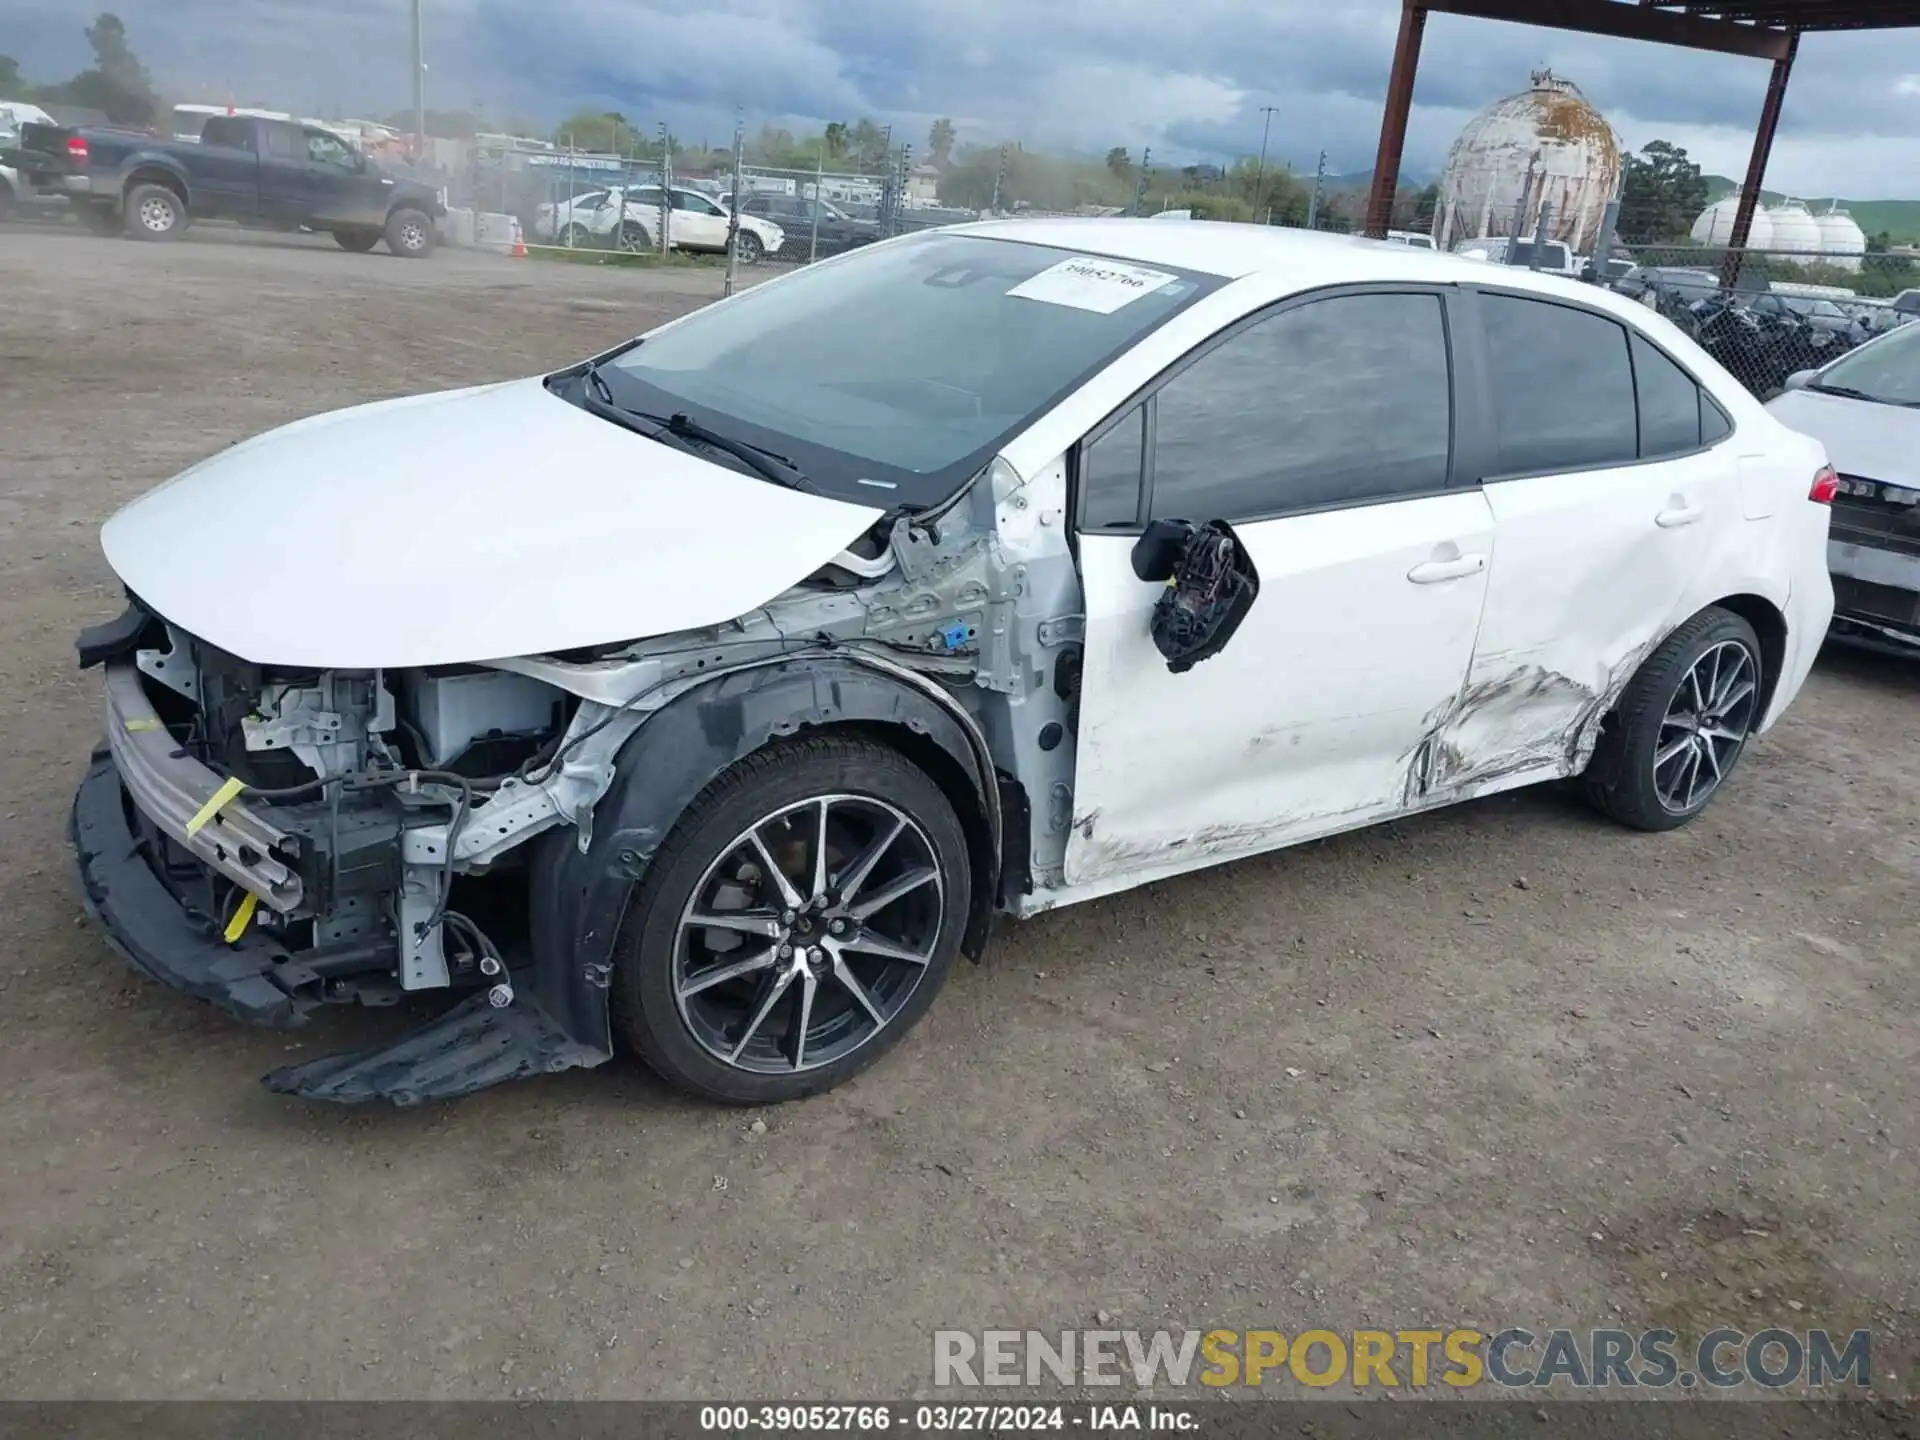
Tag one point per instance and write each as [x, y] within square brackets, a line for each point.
[710, 697]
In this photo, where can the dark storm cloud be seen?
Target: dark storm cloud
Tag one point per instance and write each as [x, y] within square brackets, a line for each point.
[1189, 78]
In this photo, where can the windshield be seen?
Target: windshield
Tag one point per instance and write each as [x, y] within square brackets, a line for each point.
[892, 376]
[1887, 370]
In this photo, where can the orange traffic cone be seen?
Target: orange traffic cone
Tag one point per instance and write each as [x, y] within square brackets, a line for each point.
[519, 250]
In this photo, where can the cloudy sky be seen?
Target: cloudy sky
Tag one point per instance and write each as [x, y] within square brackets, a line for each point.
[1188, 77]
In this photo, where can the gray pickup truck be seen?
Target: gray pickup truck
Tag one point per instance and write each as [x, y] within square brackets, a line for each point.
[271, 174]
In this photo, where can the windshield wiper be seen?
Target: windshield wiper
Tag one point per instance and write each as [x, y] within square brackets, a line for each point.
[1847, 392]
[689, 434]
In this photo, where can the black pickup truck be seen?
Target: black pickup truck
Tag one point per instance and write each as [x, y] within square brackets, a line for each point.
[274, 174]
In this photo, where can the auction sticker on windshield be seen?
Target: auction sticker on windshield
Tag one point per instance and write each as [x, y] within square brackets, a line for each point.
[1088, 283]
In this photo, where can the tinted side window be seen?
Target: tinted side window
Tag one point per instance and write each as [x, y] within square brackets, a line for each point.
[285, 144]
[1714, 424]
[1110, 474]
[1669, 404]
[1562, 387]
[1327, 403]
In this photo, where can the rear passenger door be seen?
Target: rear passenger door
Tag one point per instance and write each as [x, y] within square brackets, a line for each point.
[1612, 482]
[284, 194]
[1323, 431]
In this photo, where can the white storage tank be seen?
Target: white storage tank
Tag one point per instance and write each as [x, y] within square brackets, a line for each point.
[1546, 144]
[1715, 225]
[1842, 242]
[1795, 231]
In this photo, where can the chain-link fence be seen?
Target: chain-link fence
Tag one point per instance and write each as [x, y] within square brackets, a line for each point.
[1766, 315]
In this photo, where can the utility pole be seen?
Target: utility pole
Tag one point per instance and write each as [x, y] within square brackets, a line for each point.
[1319, 184]
[1260, 176]
[419, 78]
[666, 195]
[999, 180]
[733, 212]
[1140, 187]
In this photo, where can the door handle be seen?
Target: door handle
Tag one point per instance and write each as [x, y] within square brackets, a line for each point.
[1434, 572]
[1674, 516]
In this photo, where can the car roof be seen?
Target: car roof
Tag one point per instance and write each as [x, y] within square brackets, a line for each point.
[1303, 259]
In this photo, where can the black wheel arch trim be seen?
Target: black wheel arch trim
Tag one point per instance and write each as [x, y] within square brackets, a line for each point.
[578, 901]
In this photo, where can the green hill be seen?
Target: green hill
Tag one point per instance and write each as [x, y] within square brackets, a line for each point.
[1899, 218]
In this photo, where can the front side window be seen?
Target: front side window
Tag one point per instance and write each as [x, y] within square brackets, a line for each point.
[1562, 387]
[325, 149]
[693, 204]
[892, 377]
[1110, 474]
[1335, 401]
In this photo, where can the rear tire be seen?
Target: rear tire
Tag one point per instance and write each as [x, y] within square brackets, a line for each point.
[155, 213]
[851, 1004]
[358, 241]
[1681, 725]
[410, 234]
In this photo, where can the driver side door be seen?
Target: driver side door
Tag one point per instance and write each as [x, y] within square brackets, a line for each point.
[342, 189]
[1323, 430]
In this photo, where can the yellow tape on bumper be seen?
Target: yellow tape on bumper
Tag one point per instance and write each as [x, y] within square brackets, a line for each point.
[237, 926]
[213, 807]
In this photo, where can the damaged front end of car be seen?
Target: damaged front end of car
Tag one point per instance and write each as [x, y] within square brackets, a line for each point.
[275, 839]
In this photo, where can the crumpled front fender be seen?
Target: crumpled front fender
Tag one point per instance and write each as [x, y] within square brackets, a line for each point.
[578, 901]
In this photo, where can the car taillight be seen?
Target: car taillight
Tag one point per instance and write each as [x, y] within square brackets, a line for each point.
[77, 149]
[1826, 485]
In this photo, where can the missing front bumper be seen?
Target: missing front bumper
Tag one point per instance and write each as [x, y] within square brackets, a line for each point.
[258, 980]
[255, 979]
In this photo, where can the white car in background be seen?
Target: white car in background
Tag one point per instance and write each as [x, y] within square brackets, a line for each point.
[14, 114]
[999, 567]
[629, 218]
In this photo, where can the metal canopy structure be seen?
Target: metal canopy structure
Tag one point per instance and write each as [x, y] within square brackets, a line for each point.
[1757, 29]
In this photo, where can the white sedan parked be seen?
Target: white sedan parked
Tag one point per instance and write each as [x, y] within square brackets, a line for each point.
[630, 219]
[991, 568]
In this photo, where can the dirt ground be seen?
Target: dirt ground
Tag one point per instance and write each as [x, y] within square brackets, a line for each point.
[1499, 1065]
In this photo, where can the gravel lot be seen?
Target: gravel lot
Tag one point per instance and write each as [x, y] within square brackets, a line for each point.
[1499, 1065]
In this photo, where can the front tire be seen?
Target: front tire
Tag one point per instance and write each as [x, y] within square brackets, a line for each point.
[410, 234]
[358, 241]
[839, 852]
[155, 213]
[748, 249]
[634, 239]
[1681, 725]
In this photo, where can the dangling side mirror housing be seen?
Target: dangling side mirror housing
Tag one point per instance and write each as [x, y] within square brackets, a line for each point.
[1211, 585]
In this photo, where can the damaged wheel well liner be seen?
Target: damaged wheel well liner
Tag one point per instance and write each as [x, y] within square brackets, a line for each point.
[578, 901]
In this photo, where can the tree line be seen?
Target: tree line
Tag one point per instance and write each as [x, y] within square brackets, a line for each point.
[116, 84]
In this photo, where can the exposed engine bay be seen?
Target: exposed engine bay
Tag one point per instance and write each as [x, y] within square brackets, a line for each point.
[368, 831]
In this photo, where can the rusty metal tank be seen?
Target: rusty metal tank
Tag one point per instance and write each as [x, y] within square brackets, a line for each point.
[1546, 145]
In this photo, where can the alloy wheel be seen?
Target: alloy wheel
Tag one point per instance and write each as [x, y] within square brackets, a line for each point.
[808, 934]
[1706, 725]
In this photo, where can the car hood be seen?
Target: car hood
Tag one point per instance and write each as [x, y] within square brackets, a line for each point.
[1875, 442]
[470, 525]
